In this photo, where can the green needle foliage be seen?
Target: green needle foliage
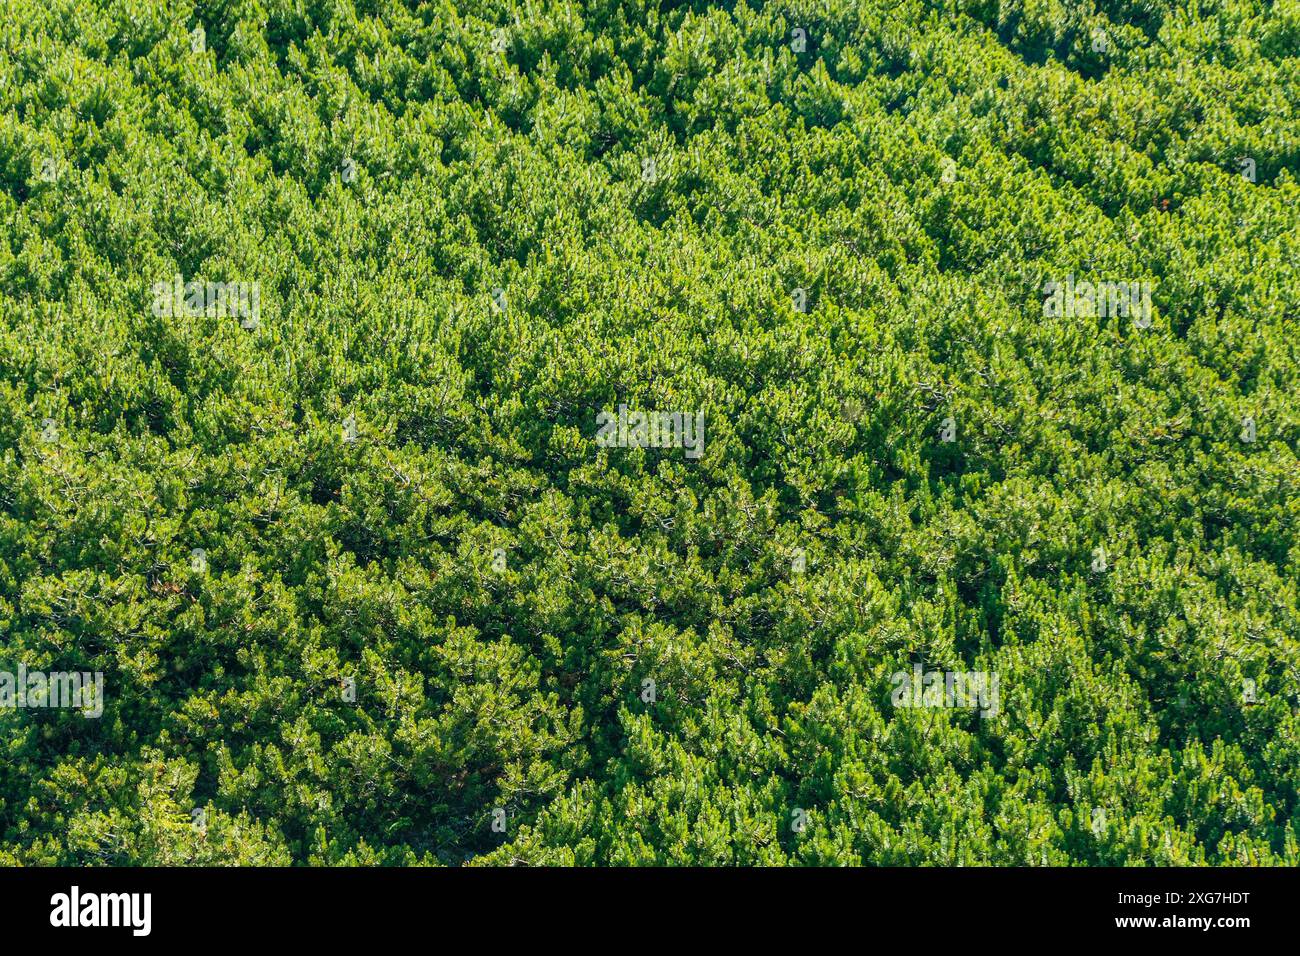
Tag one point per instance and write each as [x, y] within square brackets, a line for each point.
[365, 588]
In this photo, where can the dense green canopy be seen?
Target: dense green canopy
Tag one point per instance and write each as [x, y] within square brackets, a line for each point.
[365, 587]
